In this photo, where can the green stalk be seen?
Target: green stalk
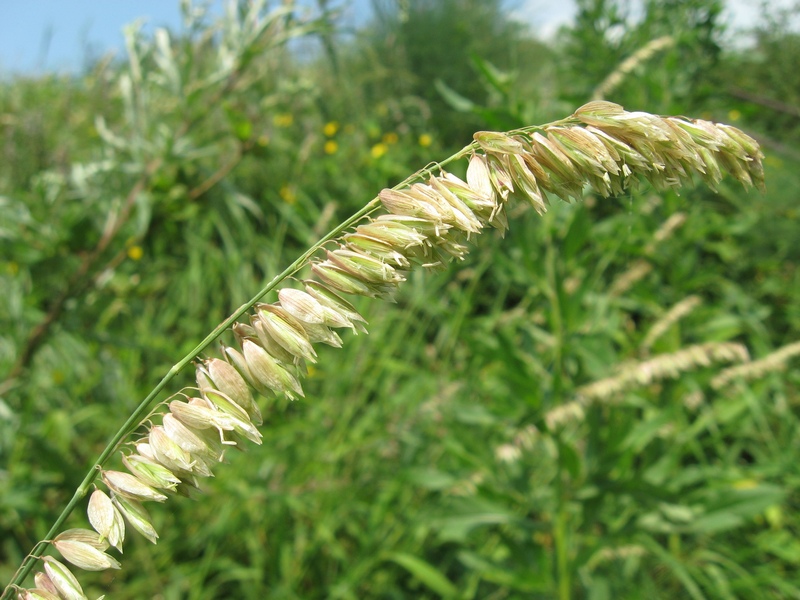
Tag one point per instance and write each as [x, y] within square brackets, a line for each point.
[561, 555]
[135, 419]
[560, 541]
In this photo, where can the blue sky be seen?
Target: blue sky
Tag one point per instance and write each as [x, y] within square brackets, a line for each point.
[38, 35]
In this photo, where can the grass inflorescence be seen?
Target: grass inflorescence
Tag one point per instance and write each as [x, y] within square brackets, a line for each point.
[427, 221]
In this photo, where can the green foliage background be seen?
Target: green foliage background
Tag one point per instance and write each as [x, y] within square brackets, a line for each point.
[144, 200]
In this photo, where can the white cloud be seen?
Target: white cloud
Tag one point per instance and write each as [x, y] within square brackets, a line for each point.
[545, 17]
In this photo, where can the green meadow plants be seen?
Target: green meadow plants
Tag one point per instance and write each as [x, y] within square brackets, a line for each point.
[169, 446]
[592, 398]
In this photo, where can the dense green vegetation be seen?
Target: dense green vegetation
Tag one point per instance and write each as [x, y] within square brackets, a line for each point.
[445, 454]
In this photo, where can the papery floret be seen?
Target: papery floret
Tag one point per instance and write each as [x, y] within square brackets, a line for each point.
[286, 331]
[106, 519]
[367, 268]
[127, 485]
[375, 248]
[268, 372]
[64, 581]
[332, 300]
[240, 364]
[136, 515]
[303, 306]
[172, 456]
[228, 380]
[151, 472]
[188, 440]
[37, 594]
[345, 281]
[43, 582]
[85, 556]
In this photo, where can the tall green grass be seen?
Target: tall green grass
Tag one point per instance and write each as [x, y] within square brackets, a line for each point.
[422, 463]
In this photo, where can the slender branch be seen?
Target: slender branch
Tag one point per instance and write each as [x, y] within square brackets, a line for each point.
[219, 174]
[765, 101]
[78, 281]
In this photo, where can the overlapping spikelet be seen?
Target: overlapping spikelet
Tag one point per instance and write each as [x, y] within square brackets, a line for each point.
[601, 147]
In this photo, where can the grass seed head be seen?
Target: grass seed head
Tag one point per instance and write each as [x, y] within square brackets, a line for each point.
[150, 472]
[330, 299]
[106, 519]
[172, 456]
[136, 515]
[302, 306]
[376, 248]
[85, 556]
[44, 583]
[63, 579]
[188, 440]
[38, 594]
[286, 330]
[129, 486]
[228, 380]
[265, 339]
[267, 371]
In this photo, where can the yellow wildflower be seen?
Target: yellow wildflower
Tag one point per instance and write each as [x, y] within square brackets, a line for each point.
[378, 150]
[288, 193]
[734, 115]
[330, 129]
[425, 140]
[135, 252]
[390, 138]
[331, 147]
[283, 119]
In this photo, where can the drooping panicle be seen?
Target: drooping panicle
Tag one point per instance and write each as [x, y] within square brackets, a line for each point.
[429, 221]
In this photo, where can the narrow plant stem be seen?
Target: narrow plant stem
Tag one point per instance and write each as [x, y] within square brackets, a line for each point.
[141, 412]
[553, 292]
[562, 556]
[80, 279]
